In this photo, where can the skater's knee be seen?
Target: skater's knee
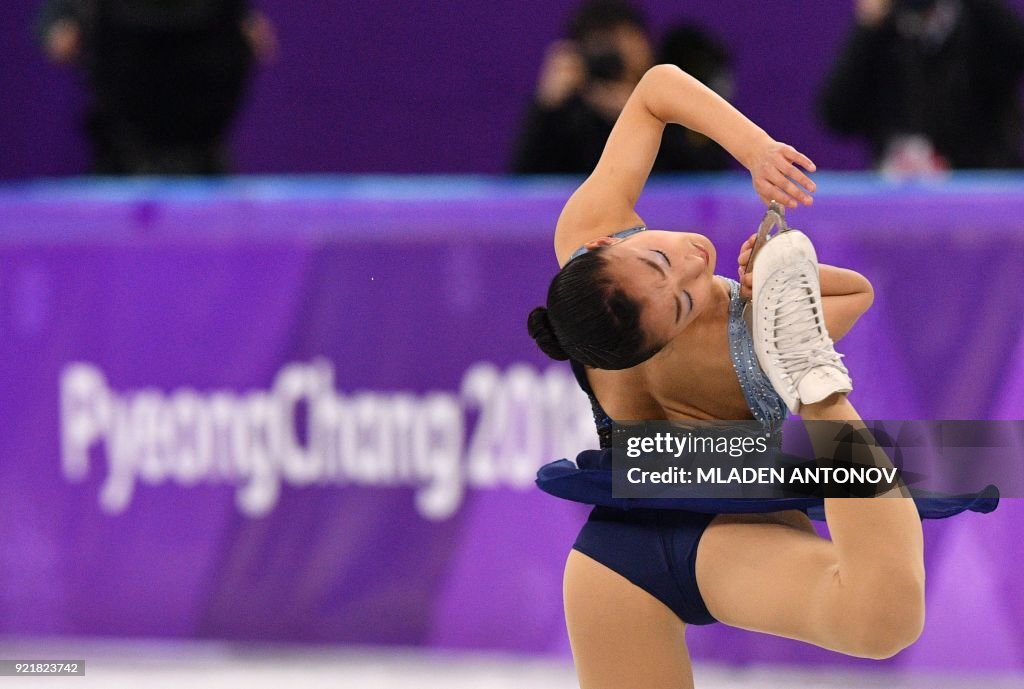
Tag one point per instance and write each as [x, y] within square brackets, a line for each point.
[880, 622]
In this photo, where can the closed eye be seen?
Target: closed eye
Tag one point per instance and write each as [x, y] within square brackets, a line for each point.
[679, 301]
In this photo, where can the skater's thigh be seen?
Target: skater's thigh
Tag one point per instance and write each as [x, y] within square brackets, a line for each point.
[770, 574]
[622, 637]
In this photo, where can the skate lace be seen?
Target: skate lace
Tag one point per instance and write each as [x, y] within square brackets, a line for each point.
[801, 341]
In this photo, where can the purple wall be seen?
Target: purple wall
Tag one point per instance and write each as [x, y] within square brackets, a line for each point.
[160, 516]
[425, 87]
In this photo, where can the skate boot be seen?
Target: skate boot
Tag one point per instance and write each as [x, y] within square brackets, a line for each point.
[790, 340]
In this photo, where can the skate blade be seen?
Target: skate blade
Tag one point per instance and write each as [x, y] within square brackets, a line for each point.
[775, 217]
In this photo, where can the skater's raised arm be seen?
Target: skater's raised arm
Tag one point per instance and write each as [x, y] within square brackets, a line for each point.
[605, 202]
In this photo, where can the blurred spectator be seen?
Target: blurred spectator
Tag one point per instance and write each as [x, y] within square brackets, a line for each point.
[701, 56]
[931, 84]
[585, 81]
[166, 78]
[584, 84]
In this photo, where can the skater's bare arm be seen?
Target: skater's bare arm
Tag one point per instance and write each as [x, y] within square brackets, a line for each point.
[845, 296]
[605, 202]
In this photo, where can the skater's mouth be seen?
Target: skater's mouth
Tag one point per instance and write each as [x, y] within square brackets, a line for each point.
[703, 252]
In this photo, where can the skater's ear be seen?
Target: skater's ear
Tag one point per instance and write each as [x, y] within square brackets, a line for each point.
[601, 241]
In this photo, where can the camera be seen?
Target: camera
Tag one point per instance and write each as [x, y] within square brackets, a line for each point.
[913, 5]
[603, 63]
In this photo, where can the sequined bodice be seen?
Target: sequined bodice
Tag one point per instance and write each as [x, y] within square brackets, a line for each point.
[765, 404]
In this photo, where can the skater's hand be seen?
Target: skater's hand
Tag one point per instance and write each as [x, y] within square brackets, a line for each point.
[746, 276]
[773, 169]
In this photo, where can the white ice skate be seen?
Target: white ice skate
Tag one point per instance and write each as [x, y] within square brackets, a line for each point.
[790, 339]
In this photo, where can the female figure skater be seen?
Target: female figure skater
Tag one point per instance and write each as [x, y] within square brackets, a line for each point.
[662, 337]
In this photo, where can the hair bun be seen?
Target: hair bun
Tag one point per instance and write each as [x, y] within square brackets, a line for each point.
[539, 326]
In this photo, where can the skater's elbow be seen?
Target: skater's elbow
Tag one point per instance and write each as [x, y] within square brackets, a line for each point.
[843, 310]
[866, 296]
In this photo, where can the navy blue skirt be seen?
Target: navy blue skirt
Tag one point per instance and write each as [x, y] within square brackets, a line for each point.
[589, 481]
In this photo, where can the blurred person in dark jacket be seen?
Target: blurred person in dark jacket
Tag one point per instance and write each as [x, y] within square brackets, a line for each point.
[583, 85]
[703, 57]
[586, 79]
[930, 84]
[166, 78]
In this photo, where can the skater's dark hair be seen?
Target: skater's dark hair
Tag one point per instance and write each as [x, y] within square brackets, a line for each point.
[590, 319]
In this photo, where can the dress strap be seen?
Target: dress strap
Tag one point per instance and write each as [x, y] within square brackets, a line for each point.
[622, 234]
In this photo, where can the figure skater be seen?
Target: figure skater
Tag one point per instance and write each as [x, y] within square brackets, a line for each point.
[654, 334]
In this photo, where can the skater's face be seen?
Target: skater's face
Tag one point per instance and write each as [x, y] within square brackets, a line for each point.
[670, 274]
